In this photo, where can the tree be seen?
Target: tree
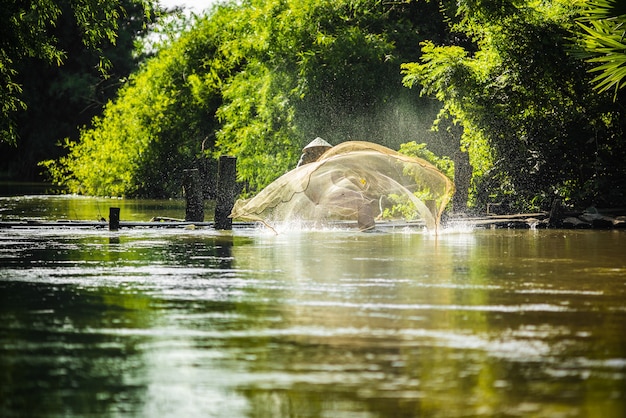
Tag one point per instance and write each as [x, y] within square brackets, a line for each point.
[27, 32]
[533, 127]
[258, 79]
[156, 126]
[321, 68]
[57, 97]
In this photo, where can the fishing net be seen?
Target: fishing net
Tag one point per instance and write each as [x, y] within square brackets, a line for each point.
[353, 181]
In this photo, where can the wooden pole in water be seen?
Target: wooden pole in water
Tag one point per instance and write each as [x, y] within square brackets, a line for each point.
[226, 191]
[192, 187]
[114, 219]
[556, 214]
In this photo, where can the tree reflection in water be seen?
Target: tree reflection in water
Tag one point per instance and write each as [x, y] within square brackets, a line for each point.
[312, 323]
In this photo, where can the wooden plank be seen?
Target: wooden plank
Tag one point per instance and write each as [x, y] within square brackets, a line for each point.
[25, 224]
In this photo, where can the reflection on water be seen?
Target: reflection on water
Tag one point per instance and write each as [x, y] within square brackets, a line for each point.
[312, 323]
[85, 208]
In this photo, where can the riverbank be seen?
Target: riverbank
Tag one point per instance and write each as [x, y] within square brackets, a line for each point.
[18, 188]
[591, 218]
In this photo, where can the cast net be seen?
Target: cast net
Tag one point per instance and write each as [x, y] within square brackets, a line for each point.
[353, 181]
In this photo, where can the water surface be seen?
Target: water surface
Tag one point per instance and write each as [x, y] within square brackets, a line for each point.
[332, 323]
[87, 208]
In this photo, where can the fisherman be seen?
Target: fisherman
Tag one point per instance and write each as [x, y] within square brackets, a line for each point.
[313, 151]
[365, 211]
[351, 181]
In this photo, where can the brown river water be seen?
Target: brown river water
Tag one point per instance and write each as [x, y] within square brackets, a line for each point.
[306, 323]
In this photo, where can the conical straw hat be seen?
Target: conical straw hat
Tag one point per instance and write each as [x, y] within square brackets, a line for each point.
[318, 142]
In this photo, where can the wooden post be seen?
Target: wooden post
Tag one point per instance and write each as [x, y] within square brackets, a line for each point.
[194, 208]
[114, 219]
[226, 191]
[462, 179]
[556, 214]
[208, 177]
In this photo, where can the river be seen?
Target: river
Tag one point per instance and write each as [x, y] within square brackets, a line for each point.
[307, 323]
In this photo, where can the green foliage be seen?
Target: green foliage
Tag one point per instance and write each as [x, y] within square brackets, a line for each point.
[314, 69]
[444, 164]
[258, 80]
[62, 98]
[32, 30]
[148, 135]
[258, 126]
[532, 125]
[401, 205]
[603, 25]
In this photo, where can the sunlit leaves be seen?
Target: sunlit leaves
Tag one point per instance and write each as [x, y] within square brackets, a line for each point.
[444, 164]
[258, 79]
[525, 105]
[604, 37]
[437, 71]
[148, 135]
[258, 128]
[299, 70]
